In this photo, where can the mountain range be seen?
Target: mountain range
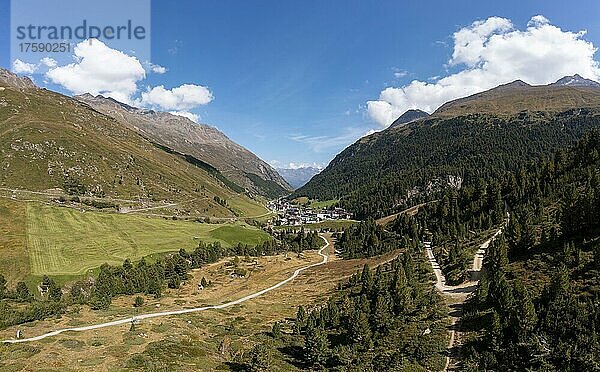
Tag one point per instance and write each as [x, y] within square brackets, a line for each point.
[51, 141]
[482, 135]
[199, 140]
[298, 177]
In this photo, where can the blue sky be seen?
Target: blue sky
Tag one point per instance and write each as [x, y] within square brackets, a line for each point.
[291, 79]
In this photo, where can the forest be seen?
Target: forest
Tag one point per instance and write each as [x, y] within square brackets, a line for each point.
[390, 320]
[537, 304]
[399, 167]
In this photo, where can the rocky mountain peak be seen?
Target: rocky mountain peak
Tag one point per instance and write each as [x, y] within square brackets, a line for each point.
[10, 79]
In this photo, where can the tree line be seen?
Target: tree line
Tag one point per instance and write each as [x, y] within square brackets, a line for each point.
[19, 305]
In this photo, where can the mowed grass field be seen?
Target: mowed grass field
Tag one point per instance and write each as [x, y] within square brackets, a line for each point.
[65, 241]
[14, 259]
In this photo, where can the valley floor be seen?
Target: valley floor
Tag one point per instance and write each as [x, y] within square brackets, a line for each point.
[207, 339]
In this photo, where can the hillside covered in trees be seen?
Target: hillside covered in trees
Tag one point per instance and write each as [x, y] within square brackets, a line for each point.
[389, 320]
[388, 171]
[537, 304]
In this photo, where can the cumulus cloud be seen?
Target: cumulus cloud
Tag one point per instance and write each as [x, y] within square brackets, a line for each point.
[21, 67]
[182, 98]
[157, 69]
[49, 62]
[489, 53]
[186, 114]
[99, 69]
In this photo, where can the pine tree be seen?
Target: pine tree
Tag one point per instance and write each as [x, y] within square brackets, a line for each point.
[54, 292]
[401, 292]
[513, 234]
[23, 293]
[316, 346]
[300, 320]
[366, 279]
[276, 330]
[260, 358]
[359, 329]
[494, 333]
[524, 317]
[2, 287]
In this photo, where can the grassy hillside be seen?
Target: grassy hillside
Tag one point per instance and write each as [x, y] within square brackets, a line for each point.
[513, 98]
[51, 141]
[200, 141]
[64, 241]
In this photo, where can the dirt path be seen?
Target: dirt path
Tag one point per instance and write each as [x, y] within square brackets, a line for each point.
[410, 211]
[136, 318]
[456, 296]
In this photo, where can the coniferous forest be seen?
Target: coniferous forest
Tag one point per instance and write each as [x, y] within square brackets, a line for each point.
[537, 304]
[399, 167]
[388, 318]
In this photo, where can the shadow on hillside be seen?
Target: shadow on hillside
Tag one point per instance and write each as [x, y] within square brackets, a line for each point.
[468, 289]
[295, 354]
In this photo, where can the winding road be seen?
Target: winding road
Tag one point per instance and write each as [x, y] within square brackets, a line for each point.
[179, 312]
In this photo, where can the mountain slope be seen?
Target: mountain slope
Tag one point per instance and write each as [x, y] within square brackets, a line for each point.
[409, 116]
[199, 140]
[513, 98]
[50, 141]
[479, 136]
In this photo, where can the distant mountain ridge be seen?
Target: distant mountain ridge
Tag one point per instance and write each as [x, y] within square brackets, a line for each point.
[7, 78]
[518, 96]
[298, 177]
[576, 81]
[200, 140]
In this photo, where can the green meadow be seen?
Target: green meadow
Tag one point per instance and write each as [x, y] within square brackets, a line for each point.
[64, 241]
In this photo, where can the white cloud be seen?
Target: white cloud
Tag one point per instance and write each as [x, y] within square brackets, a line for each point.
[157, 69]
[399, 73]
[21, 67]
[489, 53]
[49, 62]
[186, 114]
[182, 98]
[321, 143]
[99, 69]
